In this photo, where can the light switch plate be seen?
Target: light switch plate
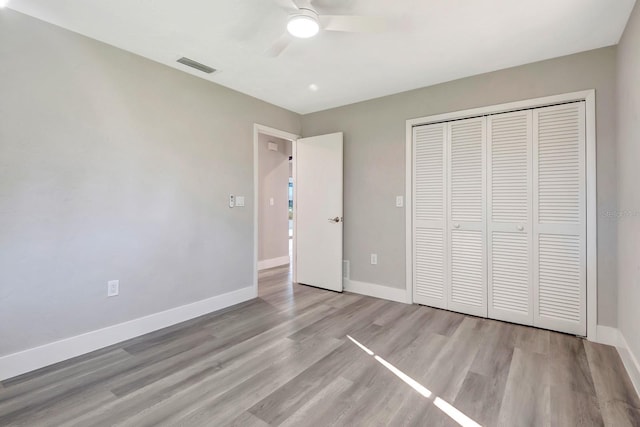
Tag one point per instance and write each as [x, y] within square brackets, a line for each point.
[271, 201]
[240, 201]
[374, 259]
[399, 201]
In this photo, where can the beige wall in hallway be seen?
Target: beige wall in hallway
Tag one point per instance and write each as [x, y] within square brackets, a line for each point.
[374, 158]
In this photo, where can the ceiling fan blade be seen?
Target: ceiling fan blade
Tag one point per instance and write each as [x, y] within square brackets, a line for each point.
[279, 46]
[353, 23]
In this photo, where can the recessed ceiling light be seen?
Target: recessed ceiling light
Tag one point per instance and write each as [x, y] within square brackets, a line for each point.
[303, 24]
[313, 87]
[3, 3]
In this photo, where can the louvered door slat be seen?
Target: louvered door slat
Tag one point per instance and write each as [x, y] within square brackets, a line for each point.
[466, 223]
[429, 192]
[559, 218]
[509, 175]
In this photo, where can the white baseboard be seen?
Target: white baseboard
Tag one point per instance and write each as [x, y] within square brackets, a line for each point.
[34, 358]
[630, 363]
[373, 290]
[608, 335]
[614, 337]
[273, 262]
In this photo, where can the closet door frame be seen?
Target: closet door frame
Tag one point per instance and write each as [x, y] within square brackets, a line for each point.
[589, 96]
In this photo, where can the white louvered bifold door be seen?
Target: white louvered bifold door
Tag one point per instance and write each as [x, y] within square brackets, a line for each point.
[466, 217]
[429, 195]
[559, 223]
[509, 211]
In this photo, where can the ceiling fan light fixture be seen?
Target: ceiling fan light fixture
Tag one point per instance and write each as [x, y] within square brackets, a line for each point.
[303, 24]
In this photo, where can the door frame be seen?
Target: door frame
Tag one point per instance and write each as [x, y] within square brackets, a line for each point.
[589, 96]
[276, 133]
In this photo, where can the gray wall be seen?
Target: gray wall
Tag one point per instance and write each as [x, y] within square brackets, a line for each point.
[273, 221]
[115, 167]
[374, 157]
[628, 215]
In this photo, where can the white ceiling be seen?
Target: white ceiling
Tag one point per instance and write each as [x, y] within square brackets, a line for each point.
[429, 42]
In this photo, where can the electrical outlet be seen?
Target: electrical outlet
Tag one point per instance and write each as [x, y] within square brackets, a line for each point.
[113, 288]
[374, 259]
[399, 201]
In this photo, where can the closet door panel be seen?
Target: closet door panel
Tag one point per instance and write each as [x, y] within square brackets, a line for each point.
[509, 211]
[429, 215]
[466, 222]
[560, 218]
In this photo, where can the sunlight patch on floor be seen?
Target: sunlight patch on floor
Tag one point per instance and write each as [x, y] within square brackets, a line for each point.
[441, 404]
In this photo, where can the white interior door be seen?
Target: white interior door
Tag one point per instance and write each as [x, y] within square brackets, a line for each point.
[559, 218]
[318, 211]
[429, 215]
[467, 225]
[509, 211]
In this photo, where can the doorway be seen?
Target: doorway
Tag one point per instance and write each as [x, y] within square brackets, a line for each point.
[275, 207]
[315, 166]
[273, 198]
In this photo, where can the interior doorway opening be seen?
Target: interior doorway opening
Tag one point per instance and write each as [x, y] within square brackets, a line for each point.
[274, 166]
[275, 201]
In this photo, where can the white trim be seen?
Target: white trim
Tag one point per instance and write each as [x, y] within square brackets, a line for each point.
[48, 354]
[592, 215]
[614, 337]
[607, 335]
[377, 291]
[294, 240]
[266, 130]
[408, 209]
[592, 256]
[273, 262]
[630, 362]
[503, 108]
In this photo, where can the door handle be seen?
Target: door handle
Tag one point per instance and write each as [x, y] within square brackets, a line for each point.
[336, 219]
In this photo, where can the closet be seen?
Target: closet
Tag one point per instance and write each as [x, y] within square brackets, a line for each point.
[499, 216]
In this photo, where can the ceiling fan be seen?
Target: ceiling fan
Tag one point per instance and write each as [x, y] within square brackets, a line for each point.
[304, 22]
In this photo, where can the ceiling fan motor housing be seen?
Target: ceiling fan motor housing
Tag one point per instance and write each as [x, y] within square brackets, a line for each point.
[303, 23]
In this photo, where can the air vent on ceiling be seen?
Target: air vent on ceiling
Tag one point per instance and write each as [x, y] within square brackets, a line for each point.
[198, 66]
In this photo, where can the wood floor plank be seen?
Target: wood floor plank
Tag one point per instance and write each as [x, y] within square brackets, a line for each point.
[181, 389]
[480, 397]
[285, 358]
[616, 413]
[609, 375]
[57, 377]
[247, 419]
[239, 362]
[526, 399]
[448, 371]
[321, 407]
[223, 408]
[569, 366]
[286, 400]
[570, 408]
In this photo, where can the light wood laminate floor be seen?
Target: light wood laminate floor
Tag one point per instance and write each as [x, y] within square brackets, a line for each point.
[300, 356]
